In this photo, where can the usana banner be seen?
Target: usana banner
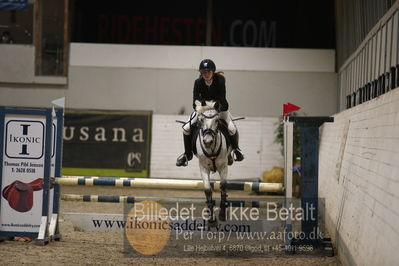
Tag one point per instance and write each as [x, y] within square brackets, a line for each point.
[107, 143]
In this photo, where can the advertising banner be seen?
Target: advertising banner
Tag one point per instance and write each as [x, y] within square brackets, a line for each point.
[13, 4]
[25, 171]
[107, 143]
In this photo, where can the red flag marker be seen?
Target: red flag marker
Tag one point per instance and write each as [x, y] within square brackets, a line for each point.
[289, 108]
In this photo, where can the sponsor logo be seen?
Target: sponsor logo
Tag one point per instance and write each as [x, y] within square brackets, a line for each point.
[24, 139]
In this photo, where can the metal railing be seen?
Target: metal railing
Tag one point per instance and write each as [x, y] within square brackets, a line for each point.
[373, 69]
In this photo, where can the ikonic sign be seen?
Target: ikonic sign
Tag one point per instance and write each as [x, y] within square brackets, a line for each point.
[24, 199]
[24, 139]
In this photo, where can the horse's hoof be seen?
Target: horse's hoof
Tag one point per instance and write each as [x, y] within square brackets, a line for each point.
[212, 223]
[222, 213]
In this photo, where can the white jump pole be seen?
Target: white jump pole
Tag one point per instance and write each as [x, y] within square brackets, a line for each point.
[168, 184]
[288, 153]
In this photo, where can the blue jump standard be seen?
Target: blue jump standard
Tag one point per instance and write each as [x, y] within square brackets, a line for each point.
[309, 137]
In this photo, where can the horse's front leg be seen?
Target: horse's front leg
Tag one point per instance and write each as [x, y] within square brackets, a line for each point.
[223, 193]
[205, 174]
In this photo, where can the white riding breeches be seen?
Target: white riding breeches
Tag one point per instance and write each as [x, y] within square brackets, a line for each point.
[226, 116]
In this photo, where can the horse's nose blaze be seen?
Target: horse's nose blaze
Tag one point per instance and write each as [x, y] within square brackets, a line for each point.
[207, 139]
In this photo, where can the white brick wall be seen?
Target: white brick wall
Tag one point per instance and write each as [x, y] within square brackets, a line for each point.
[359, 178]
[256, 141]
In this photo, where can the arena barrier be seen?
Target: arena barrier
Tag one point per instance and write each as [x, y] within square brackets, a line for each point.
[264, 203]
[168, 184]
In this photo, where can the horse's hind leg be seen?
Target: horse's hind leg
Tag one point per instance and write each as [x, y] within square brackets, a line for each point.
[223, 194]
[208, 194]
[210, 204]
[223, 201]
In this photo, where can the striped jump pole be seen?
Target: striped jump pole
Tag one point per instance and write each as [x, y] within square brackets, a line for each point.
[130, 199]
[168, 184]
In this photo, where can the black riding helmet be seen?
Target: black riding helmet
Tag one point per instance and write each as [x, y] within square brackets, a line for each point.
[207, 65]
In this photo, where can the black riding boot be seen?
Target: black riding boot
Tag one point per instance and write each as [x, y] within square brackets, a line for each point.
[237, 152]
[188, 153]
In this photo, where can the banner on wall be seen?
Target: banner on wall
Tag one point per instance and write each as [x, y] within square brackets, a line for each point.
[13, 4]
[107, 143]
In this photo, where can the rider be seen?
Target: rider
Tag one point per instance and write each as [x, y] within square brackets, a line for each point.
[211, 85]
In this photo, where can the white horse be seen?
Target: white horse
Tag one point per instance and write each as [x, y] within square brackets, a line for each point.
[213, 150]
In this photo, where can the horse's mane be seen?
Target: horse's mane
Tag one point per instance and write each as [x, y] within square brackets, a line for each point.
[210, 112]
[209, 106]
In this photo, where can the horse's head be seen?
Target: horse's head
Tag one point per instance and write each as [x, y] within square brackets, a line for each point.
[209, 125]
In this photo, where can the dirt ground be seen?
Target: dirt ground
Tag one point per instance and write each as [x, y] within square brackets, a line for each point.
[88, 248]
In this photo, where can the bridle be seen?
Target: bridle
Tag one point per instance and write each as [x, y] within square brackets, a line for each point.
[208, 131]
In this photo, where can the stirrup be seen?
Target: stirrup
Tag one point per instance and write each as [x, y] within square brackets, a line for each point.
[182, 160]
[238, 156]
